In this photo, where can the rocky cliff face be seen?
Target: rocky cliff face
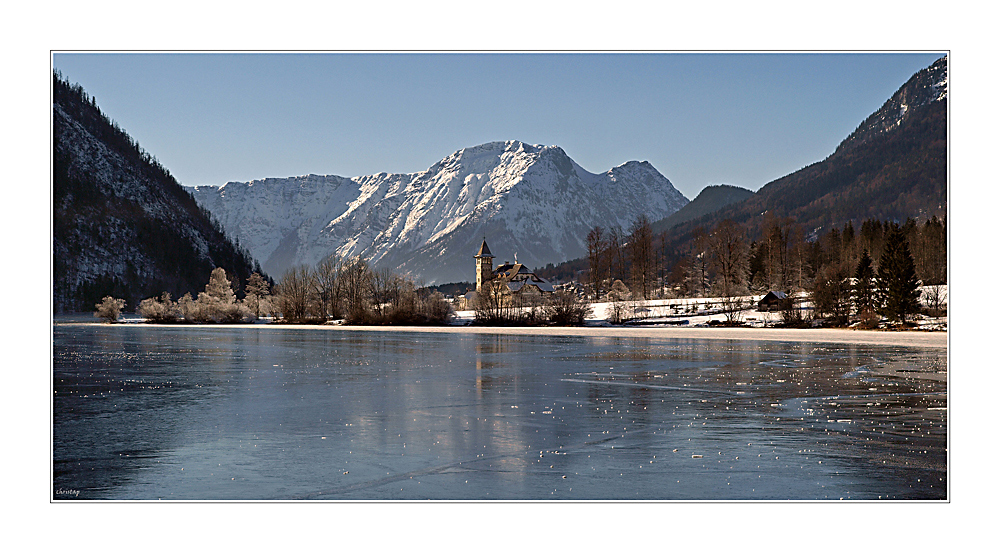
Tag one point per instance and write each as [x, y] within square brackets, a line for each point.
[530, 201]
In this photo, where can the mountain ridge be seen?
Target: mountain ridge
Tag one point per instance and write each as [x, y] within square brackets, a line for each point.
[711, 199]
[893, 166]
[530, 200]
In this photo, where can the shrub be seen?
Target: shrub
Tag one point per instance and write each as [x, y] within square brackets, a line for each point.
[109, 309]
[567, 309]
[159, 310]
[620, 310]
[210, 309]
[435, 309]
[869, 322]
[791, 315]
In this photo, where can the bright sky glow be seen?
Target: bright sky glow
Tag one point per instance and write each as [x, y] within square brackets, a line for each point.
[699, 118]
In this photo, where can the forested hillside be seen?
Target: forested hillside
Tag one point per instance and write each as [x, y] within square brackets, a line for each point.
[710, 200]
[122, 225]
[893, 167]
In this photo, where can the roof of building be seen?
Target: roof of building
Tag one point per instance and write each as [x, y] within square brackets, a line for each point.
[540, 283]
[509, 269]
[484, 250]
[775, 295]
[518, 275]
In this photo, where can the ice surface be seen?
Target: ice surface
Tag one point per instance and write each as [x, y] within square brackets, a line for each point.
[267, 413]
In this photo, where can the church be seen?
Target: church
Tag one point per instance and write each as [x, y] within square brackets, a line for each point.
[517, 278]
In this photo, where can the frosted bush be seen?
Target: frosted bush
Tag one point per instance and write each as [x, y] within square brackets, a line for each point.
[109, 309]
[159, 310]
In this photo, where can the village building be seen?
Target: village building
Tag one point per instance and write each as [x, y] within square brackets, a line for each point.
[516, 277]
[773, 301]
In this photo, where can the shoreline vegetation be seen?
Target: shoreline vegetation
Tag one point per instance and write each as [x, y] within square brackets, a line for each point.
[352, 293]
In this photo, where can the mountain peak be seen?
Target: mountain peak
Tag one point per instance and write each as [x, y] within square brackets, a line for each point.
[528, 198]
[926, 87]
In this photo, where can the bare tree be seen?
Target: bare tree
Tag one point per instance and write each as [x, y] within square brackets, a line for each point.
[493, 302]
[640, 253]
[660, 265]
[295, 296]
[355, 276]
[383, 288]
[434, 309]
[329, 287]
[616, 254]
[697, 264]
[935, 297]
[729, 257]
[776, 240]
[597, 246]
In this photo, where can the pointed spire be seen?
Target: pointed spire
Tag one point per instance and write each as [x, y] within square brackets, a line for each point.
[484, 250]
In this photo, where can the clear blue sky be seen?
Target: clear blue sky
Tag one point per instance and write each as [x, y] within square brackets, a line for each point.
[699, 118]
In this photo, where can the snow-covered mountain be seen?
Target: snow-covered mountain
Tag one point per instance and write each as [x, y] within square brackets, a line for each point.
[531, 201]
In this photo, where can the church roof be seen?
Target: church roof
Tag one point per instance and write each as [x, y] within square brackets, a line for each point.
[509, 270]
[538, 282]
[518, 275]
[484, 250]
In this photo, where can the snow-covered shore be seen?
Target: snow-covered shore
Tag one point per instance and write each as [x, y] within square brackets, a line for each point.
[827, 335]
[910, 338]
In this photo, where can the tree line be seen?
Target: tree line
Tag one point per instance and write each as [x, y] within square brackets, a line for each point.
[350, 290]
[358, 293]
[730, 259]
[495, 304]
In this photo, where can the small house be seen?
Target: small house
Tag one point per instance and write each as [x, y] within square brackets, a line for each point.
[772, 301]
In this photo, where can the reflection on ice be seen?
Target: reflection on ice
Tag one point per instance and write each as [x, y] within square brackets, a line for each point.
[270, 413]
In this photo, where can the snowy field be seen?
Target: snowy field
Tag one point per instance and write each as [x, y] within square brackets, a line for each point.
[691, 317]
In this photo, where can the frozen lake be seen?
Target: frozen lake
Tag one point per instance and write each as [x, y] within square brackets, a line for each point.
[266, 413]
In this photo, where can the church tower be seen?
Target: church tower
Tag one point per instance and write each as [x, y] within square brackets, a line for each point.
[484, 265]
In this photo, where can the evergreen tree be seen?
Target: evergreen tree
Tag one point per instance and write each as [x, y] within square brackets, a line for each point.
[219, 287]
[863, 293]
[897, 277]
[830, 295]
